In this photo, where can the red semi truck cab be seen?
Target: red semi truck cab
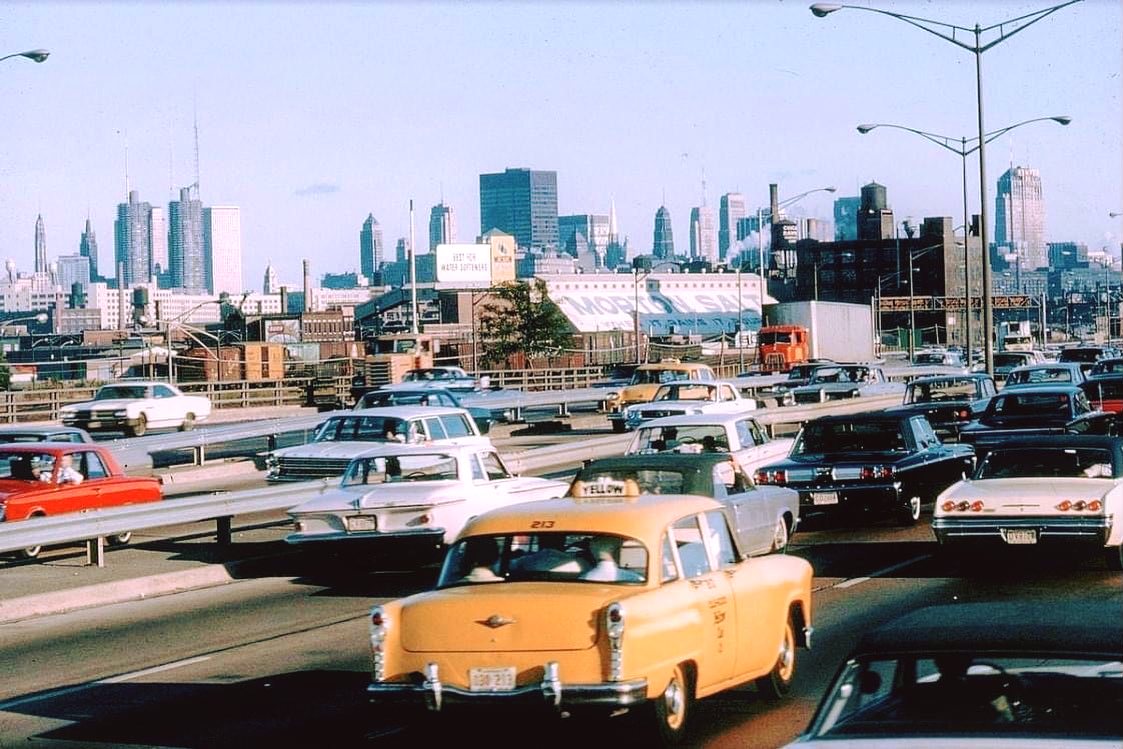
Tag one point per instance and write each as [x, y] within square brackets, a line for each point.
[781, 346]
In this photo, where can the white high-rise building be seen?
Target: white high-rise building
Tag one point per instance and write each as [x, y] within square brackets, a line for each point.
[731, 209]
[158, 240]
[222, 245]
[703, 235]
[1019, 218]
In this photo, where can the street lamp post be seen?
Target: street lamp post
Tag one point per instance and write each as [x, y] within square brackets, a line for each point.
[1005, 30]
[760, 215]
[35, 55]
[39, 318]
[963, 151]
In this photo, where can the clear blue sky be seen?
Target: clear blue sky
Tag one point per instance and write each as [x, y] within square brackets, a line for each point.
[312, 116]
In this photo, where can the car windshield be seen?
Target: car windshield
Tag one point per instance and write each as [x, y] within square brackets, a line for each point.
[849, 436]
[1031, 404]
[1049, 462]
[26, 466]
[425, 375]
[685, 392]
[381, 399]
[839, 374]
[802, 371]
[658, 376]
[1043, 374]
[114, 392]
[929, 359]
[367, 429]
[24, 436]
[545, 557]
[935, 391]
[1037, 697]
[400, 468]
[703, 438]
[646, 481]
[1009, 360]
[772, 337]
[1110, 366]
[1079, 354]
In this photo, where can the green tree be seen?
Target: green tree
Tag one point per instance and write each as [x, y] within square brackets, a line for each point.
[521, 317]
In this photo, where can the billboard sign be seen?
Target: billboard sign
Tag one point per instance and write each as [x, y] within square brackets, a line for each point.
[464, 263]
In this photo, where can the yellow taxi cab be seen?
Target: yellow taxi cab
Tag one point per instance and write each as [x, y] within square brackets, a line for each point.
[608, 601]
[646, 380]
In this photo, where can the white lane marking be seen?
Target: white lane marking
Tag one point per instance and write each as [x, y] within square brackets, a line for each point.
[881, 573]
[55, 694]
[153, 670]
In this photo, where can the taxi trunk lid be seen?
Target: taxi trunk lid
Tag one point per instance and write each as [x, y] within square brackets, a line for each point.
[507, 617]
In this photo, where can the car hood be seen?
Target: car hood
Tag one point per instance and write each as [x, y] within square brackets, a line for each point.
[399, 494]
[1026, 494]
[112, 404]
[506, 617]
[341, 450]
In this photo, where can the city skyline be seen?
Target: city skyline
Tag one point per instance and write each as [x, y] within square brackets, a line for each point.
[304, 182]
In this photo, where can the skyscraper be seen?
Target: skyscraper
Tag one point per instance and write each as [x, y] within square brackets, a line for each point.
[222, 246]
[370, 247]
[1019, 217]
[523, 203]
[731, 209]
[269, 284]
[703, 244]
[88, 248]
[593, 227]
[40, 246]
[401, 250]
[186, 254]
[663, 246]
[846, 219]
[442, 226]
[158, 243]
[73, 269]
[131, 241]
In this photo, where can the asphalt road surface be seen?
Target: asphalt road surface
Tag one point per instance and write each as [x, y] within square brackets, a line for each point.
[283, 661]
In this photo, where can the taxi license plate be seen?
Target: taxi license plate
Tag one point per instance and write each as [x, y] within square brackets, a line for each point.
[1021, 537]
[491, 679]
[362, 523]
[824, 498]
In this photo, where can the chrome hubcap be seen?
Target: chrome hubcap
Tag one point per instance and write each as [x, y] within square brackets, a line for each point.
[675, 701]
[787, 656]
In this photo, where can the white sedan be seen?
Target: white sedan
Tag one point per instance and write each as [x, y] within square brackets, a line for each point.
[679, 398]
[419, 494]
[135, 407]
[740, 435]
[1039, 491]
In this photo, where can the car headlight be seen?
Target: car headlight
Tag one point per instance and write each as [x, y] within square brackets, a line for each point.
[272, 464]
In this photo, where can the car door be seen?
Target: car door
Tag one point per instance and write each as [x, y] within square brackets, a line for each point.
[710, 598]
[167, 407]
[107, 491]
[746, 506]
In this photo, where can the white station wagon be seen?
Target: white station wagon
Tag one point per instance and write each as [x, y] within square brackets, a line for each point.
[740, 435]
[415, 494]
[346, 435]
[1039, 491]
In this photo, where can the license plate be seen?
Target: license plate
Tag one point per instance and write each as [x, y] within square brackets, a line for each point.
[491, 679]
[824, 498]
[1021, 537]
[362, 523]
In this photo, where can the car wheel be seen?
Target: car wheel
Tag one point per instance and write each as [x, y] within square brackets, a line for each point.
[188, 423]
[777, 683]
[909, 512]
[1114, 557]
[119, 539]
[31, 552]
[141, 426]
[670, 711]
[619, 426]
[780, 537]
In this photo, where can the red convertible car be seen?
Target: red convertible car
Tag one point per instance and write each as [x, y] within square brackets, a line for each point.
[51, 478]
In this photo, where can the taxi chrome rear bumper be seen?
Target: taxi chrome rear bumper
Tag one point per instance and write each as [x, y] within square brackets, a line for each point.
[1091, 530]
[550, 692]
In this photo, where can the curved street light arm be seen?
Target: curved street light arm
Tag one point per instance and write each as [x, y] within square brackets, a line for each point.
[945, 141]
[1033, 17]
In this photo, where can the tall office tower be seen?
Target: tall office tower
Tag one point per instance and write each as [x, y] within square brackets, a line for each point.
[442, 226]
[88, 248]
[269, 284]
[401, 250]
[522, 203]
[815, 228]
[132, 241]
[846, 219]
[158, 242]
[595, 228]
[186, 254]
[73, 269]
[875, 218]
[40, 246]
[222, 246]
[1019, 217]
[663, 246]
[370, 247]
[730, 211]
[703, 243]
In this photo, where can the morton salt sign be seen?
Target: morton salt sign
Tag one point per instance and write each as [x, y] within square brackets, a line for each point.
[464, 263]
[705, 303]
